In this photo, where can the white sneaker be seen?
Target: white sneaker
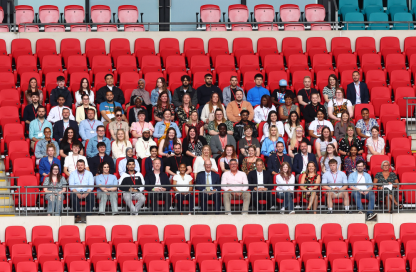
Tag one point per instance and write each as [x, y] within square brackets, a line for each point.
[292, 212]
[228, 213]
[244, 213]
[282, 209]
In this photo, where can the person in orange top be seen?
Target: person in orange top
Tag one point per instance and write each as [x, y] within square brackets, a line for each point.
[235, 107]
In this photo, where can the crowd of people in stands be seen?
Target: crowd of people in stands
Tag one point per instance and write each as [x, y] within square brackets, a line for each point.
[211, 133]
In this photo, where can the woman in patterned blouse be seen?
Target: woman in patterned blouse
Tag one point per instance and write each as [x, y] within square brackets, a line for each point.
[163, 103]
[195, 122]
[249, 163]
[350, 161]
[185, 110]
[329, 91]
[388, 194]
[349, 140]
[193, 143]
[213, 125]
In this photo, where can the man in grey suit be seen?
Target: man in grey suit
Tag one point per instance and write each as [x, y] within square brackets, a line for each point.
[218, 142]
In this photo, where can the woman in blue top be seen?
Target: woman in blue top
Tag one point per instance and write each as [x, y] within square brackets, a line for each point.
[46, 162]
[161, 86]
[269, 144]
[162, 127]
[166, 145]
[106, 193]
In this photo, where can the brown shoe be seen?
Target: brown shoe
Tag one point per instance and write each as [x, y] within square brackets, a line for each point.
[78, 219]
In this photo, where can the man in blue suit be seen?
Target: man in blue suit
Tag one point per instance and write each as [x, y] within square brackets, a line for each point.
[301, 160]
[205, 179]
[357, 91]
[61, 125]
[257, 179]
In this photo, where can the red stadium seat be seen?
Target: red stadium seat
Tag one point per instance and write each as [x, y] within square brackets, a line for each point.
[200, 63]
[147, 234]
[340, 45]
[407, 233]
[230, 252]
[7, 81]
[178, 252]
[17, 149]
[151, 79]
[15, 235]
[5, 64]
[375, 78]
[29, 28]
[9, 97]
[54, 28]
[129, 80]
[305, 233]
[322, 80]
[193, 47]
[274, 77]
[362, 249]
[375, 163]
[76, 80]
[173, 234]
[150, 63]
[321, 27]
[284, 251]
[224, 63]
[346, 62]
[368, 265]
[238, 13]
[211, 266]
[395, 265]
[159, 266]
[383, 232]
[32, 194]
[131, 266]
[100, 64]
[24, 14]
[264, 13]
[144, 47]
[294, 27]
[206, 251]
[134, 28]
[95, 234]
[399, 78]
[297, 63]
[291, 46]
[389, 112]
[400, 93]
[126, 252]
[168, 47]
[216, 28]
[342, 265]
[409, 46]
[76, 64]
[252, 233]
[175, 80]
[249, 63]
[257, 251]
[48, 14]
[45, 47]
[389, 249]
[266, 46]
[26, 64]
[69, 47]
[128, 14]
[100, 14]
[289, 13]
[94, 47]
[106, 266]
[224, 79]
[217, 47]
[21, 253]
[365, 45]
[53, 266]
[185, 266]
[47, 253]
[316, 266]
[74, 14]
[404, 163]
[210, 13]
[152, 252]
[174, 63]
[371, 62]
[395, 62]
[290, 265]
[226, 233]
[241, 28]
[51, 64]
[316, 45]
[331, 232]
[273, 63]
[119, 47]
[278, 233]
[200, 234]
[322, 62]
[121, 234]
[409, 192]
[336, 250]
[68, 235]
[82, 28]
[106, 28]
[21, 47]
[73, 252]
[309, 251]
[11, 132]
[389, 45]
[242, 46]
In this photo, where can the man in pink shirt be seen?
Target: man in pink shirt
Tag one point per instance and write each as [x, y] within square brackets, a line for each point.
[235, 177]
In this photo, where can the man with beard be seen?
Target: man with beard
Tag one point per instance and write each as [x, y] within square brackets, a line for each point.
[205, 92]
[143, 145]
[88, 127]
[37, 126]
[118, 94]
[182, 90]
[61, 125]
[136, 182]
[228, 92]
[134, 112]
[239, 127]
[234, 108]
[107, 109]
[172, 166]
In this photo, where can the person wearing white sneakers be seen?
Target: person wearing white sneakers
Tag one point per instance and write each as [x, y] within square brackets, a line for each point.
[285, 177]
[335, 176]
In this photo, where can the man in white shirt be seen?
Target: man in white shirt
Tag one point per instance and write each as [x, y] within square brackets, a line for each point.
[143, 145]
[81, 177]
[55, 114]
[72, 158]
[335, 191]
[363, 190]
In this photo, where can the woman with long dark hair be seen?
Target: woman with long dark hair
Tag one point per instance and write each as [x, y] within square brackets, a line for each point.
[185, 110]
[84, 88]
[54, 187]
[308, 183]
[193, 143]
[106, 193]
[166, 145]
[163, 103]
[65, 146]
[292, 123]
[329, 90]
[272, 120]
[262, 111]
[33, 87]
[161, 86]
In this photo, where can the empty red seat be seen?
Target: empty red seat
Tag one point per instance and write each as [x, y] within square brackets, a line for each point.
[362, 249]
[278, 233]
[131, 266]
[51, 64]
[48, 14]
[370, 62]
[238, 13]
[226, 233]
[126, 252]
[168, 47]
[177, 252]
[121, 234]
[15, 235]
[316, 265]
[150, 64]
[73, 252]
[69, 47]
[159, 266]
[376, 78]
[249, 63]
[389, 45]
[106, 28]
[200, 234]
[200, 63]
[45, 47]
[331, 232]
[100, 14]
[134, 28]
[399, 96]
[144, 47]
[94, 47]
[11, 132]
[100, 64]
[368, 264]
[54, 28]
[174, 63]
[342, 265]
[205, 251]
[316, 45]
[76, 64]
[119, 47]
[29, 28]
[224, 63]
[185, 266]
[389, 112]
[80, 28]
[95, 234]
[47, 253]
[106, 266]
[217, 47]
[128, 14]
[128, 80]
[241, 28]
[400, 146]
[193, 47]
[273, 63]
[291, 46]
[68, 234]
[152, 252]
[365, 45]
[9, 97]
[26, 266]
[252, 233]
[126, 63]
[242, 46]
[289, 13]
[322, 62]
[298, 63]
[407, 233]
[284, 251]
[53, 266]
[257, 251]
[399, 78]
[346, 62]
[210, 13]
[305, 233]
[21, 253]
[266, 46]
[336, 250]
[340, 45]
[42, 235]
[211, 266]
[389, 249]
[404, 163]
[394, 265]
[309, 251]
[74, 14]
[24, 14]
[231, 251]
[294, 27]
[147, 234]
[382, 232]
[264, 13]
[21, 47]
[173, 234]
[289, 265]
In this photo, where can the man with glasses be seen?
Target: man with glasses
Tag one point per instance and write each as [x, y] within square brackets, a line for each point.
[228, 92]
[204, 180]
[117, 124]
[363, 190]
[92, 143]
[40, 150]
[182, 90]
[107, 108]
[205, 92]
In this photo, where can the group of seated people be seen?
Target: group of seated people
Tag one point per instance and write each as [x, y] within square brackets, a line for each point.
[169, 132]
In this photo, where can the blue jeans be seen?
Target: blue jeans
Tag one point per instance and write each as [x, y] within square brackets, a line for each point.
[287, 199]
[357, 196]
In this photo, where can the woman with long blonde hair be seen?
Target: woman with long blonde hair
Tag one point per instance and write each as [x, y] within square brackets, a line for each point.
[294, 142]
[208, 112]
[285, 177]
[199, 161]
[119, 146]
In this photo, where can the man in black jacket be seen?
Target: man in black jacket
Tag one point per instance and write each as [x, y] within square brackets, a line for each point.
[60, 126]
[61, 90]
[118, 94]
[95, 161]
[301, 160]
[276, 159]
[357, 91]
[136, 182]
[182, 90]
[239, 127]
[260, 177]
[205, 92]
[156, 184]
[309, 113]
[204, 179]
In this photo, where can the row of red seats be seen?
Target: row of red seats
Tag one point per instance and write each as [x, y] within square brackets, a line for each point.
[264, 13]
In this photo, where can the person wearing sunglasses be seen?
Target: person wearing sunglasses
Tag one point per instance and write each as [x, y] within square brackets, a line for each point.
[118, 123]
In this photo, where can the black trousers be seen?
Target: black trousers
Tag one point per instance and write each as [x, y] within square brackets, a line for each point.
[180, 198]
[76, 203]
[204, 197]
[261, 195]
[155, 197]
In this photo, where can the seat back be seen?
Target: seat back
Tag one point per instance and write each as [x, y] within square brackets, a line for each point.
[74, 14]
[264, 13]
[210, 13]
[289, 13]
[48, 14]
[315, 13]
[128, 14]
[24, 14]
[121, 234]
[100, 14]
[238, 13]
